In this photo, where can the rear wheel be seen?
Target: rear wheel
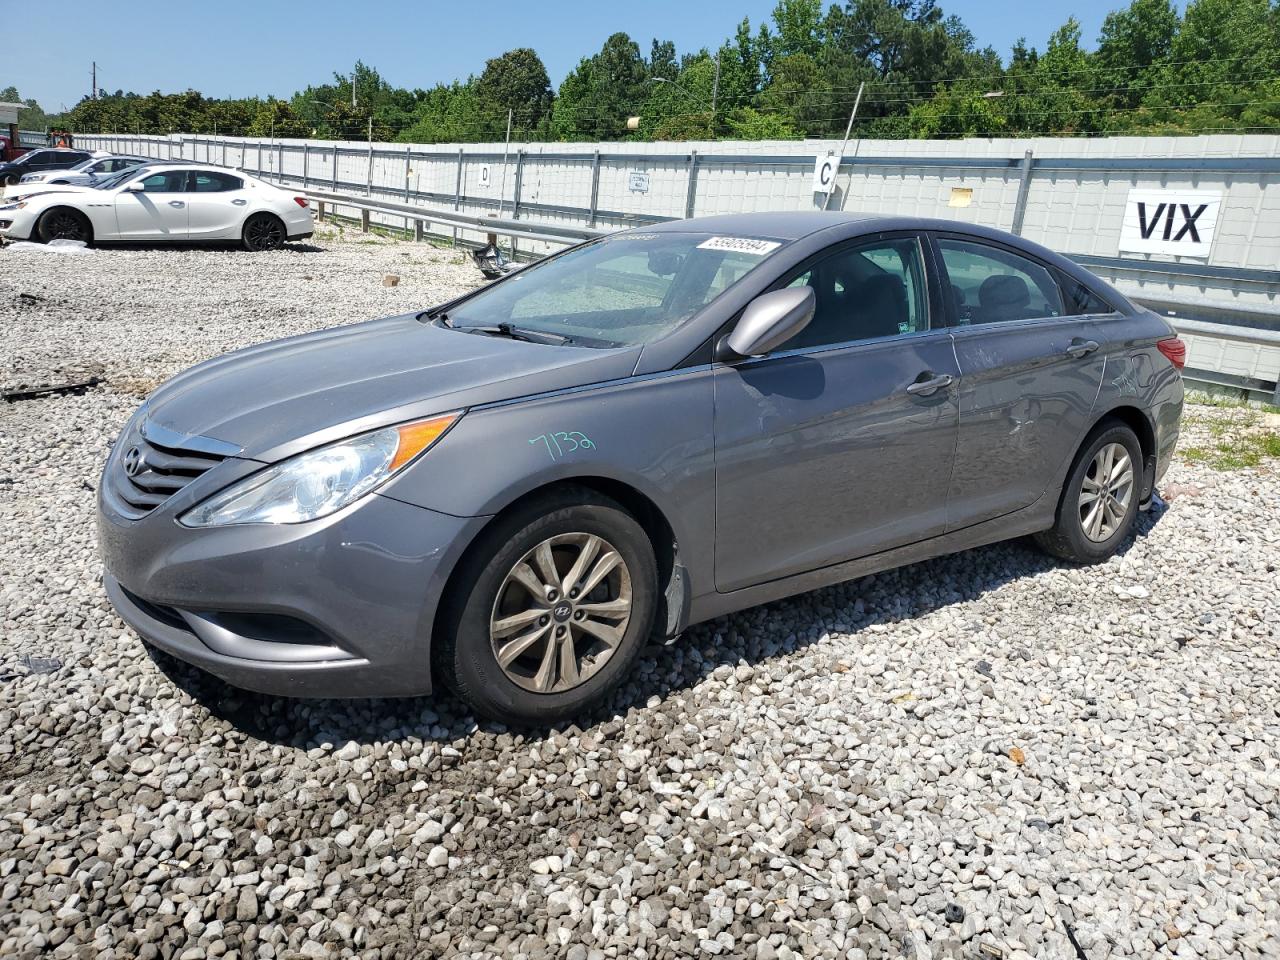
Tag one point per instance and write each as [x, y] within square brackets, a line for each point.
[1100, 499]
[63, 223]
[555, 602]
[263, 231]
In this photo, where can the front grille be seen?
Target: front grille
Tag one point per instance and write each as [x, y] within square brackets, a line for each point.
[148, 474]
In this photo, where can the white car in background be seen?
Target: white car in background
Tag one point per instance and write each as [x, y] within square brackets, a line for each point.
[82, 173]
[162, 202]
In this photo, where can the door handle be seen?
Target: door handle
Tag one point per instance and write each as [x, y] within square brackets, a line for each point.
[176, 203]
[924, 388]
[1081, 348]
[239, 202]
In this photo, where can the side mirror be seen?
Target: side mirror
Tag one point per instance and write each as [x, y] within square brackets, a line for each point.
[135, 187]
[769, 321]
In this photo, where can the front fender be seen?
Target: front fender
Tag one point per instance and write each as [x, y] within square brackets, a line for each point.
[652, 433]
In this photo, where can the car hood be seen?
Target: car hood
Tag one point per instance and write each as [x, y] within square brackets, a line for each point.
[25, 190]
[285, 396]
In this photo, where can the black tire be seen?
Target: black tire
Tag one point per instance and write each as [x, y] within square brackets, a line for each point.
[1067, 539]
[10, 179]
[463, 657]
[263, 231]
[63, 223]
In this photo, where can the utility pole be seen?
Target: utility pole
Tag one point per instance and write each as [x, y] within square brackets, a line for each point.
[715, 92]
[353, 89]
[94, 75]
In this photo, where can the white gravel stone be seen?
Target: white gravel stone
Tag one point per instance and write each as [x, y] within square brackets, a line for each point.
[832, 775]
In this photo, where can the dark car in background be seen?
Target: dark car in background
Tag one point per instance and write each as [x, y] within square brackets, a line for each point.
[40, 160]
[512, 492]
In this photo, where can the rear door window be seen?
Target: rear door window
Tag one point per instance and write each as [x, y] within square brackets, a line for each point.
[990, 284]
[210, 181]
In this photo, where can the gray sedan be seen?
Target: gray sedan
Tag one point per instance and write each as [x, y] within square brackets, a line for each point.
[509, 494]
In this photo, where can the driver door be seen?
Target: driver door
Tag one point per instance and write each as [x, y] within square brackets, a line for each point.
[157, 212]
[839, 444]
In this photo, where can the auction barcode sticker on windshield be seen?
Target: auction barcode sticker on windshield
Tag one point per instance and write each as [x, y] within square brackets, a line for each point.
[740, 245]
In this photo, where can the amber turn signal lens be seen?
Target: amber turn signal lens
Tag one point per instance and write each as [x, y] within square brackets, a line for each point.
[416, 437]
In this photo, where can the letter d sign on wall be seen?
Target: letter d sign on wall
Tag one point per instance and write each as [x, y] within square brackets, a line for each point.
[1170, 222]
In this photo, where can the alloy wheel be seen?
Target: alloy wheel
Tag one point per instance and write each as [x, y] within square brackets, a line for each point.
[62, 225]
[561, 612]
[263, 233]
[1105, 492]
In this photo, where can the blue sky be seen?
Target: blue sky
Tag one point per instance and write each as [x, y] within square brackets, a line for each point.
[233, 48]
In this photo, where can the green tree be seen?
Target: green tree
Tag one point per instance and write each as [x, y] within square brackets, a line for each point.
[599, 95]
[516, 82]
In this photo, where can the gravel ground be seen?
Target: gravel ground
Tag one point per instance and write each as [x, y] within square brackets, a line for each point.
[981, 756]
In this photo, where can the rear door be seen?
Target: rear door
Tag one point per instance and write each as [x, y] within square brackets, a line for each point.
[1030, 373]
[158, 212]
[216, 203]
[839, 444]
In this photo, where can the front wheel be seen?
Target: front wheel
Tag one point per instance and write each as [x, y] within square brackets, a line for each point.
[559, 598]
[61, 223]
[1100, 499]
[262, 231]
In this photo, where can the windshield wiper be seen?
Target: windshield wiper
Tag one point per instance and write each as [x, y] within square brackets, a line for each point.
[512, 332]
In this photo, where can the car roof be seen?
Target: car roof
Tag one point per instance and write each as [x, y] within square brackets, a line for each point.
[781, 224]
[795, 225]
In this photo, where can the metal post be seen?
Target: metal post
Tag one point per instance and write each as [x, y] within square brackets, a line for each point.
[335, 168]
[457, 194]
[506, 148]
[595, 188]
[692, 191]
[515, 196]
[368, 187]
[515, 193]
[408, 171]
[259, 170]
[279, 163]
[224, 152]
[1024, 188]
[306, 162]
[364, 220]
[418, 231]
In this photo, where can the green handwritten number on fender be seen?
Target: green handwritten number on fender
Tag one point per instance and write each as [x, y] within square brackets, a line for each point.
[561, 443]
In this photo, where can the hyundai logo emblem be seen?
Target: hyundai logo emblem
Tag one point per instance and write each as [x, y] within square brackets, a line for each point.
[133, 462]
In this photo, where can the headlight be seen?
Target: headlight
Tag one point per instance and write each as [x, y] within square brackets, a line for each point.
[321, 481]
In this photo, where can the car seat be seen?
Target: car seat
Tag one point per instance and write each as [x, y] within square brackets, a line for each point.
[1003, 297]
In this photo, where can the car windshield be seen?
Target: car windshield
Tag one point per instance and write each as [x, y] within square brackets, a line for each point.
[619, 291]
[119, 178]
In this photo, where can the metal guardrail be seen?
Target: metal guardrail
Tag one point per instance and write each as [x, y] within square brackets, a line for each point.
[1252, 387]
[502, 226]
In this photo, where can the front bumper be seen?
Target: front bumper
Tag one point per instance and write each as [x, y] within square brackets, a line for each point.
[16, 224]
[337, 607]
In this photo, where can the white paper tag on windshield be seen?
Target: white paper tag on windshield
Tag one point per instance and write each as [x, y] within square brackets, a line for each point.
[756, 248]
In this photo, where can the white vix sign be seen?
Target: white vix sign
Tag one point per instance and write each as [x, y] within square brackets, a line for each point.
[1170, 222]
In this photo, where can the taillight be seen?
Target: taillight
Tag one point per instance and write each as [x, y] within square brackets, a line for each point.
[301, 201]
[1175, 350]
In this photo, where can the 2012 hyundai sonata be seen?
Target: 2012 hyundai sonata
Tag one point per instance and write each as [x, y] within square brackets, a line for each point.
[510, 493]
